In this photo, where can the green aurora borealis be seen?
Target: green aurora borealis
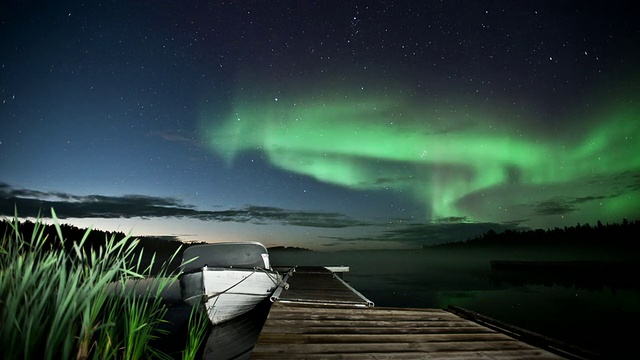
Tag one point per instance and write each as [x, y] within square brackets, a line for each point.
[465, 164]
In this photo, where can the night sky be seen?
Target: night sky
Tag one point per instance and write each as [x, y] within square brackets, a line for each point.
[321, 124]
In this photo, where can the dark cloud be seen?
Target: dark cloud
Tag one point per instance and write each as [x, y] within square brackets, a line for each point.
[442, 232]
[30, 203]
[635, 184]
[452, 219]
[175, 136]
[587, 199]
[557, 206]
[565, 205]
[303, 218]
[439, 232]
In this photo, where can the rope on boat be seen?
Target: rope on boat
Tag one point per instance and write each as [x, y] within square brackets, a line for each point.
[278, 282]
[274, 279]
[282, 285]
[207, 297]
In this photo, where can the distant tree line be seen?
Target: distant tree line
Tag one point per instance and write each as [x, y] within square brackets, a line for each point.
[621, 235]
[287, 248]
[149, 246]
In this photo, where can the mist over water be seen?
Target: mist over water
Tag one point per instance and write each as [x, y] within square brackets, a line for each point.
[586, 316]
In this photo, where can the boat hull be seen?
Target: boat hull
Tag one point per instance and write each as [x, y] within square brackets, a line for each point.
[226, 293]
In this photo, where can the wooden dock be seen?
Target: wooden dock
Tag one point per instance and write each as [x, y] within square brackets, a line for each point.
[300, 331]
[316, 318]
[317, 285]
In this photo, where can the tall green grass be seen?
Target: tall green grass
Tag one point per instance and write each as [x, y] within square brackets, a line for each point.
[55, 301]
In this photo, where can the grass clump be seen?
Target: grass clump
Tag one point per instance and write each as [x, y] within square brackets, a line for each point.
[57, 299]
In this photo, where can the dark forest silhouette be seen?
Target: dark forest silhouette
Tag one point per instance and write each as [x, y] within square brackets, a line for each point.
[622, 236]
[163, 249]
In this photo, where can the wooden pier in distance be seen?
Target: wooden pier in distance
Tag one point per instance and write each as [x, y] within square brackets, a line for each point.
[317, 285]
[317, 318]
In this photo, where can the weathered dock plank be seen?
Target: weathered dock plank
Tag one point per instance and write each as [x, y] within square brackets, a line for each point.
[444, 355]
[376, 327]
[340, 338]
[303, 331]
[473, 348]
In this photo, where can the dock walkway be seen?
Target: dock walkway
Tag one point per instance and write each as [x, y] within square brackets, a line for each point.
[301, 331]
[319, 286]
[316, 319]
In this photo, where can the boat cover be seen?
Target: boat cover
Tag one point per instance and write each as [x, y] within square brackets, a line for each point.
[236, 255]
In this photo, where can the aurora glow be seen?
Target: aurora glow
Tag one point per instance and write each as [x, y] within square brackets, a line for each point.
[444, 159]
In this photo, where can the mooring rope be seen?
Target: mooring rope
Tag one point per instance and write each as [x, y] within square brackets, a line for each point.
[206, 298]
[277, 282]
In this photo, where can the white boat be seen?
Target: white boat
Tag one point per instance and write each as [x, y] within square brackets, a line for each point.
[227, 279]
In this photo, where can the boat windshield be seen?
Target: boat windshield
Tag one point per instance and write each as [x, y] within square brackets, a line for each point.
[236, 255]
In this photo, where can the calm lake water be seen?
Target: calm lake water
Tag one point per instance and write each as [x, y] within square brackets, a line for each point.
[591, 316]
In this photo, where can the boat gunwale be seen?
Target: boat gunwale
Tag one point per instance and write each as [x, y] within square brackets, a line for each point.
[229, 268]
